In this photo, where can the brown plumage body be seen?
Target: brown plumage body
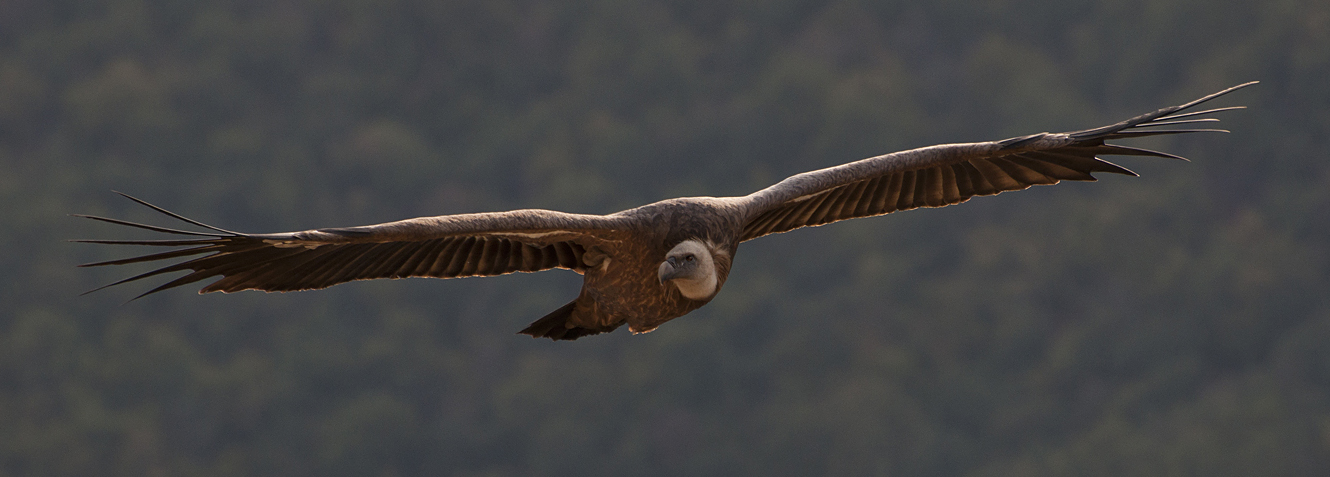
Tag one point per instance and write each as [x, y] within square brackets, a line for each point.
[647, 265]
[630, 268]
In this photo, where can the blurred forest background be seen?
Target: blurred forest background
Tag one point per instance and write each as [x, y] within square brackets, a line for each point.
[1172, 324]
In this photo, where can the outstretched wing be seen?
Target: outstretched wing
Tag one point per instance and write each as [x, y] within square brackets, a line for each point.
[949, 174]
[447, 246]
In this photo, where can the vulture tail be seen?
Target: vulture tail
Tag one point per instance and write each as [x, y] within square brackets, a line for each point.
[555, 326]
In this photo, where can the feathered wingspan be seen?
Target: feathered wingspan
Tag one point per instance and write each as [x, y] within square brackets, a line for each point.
[532, 240]
[441, 247]
[949, 174]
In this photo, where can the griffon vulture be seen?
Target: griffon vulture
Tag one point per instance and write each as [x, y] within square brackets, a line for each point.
[654, 263]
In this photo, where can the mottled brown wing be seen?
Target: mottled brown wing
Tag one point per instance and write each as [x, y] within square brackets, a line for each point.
[441, 247]
[949, 174]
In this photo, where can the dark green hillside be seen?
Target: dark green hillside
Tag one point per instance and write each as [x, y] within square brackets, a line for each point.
[1172, 324]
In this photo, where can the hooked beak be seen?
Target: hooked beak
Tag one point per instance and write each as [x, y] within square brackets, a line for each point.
[667, 271]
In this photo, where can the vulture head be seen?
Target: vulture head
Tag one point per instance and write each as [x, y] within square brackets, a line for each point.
[690, 267]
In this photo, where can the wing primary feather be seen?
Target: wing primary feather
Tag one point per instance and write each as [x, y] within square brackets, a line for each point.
[317, 266]
[175, 215]
[364, 265]
[344, 266]
[1198, 113]
[186, 265]
[402, 264]
[239, 270]
[1162, 113]
[368, 263]
[314, 272]
[201, 274]
[169, 285]
[1146, 133]
[1048, 168]
[1116, 150]
[334, 270]
[1085, 161]
[274, 275]
[257, 276]
[327, 270]
[153, 228]
[157, 256]
[1157, 122]
[1216, 95]
[1025, 175]
[155, 243]
[130, 279]
[1114, 168]
[393, 260]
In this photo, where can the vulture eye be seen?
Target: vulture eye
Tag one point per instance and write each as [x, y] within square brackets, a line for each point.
[688, 257]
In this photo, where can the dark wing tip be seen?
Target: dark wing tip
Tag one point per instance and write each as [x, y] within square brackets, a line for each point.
[1113, 168]
[1218, 94]
[206, 242]
[1117, 150]
[153, 228]
[172, 215]
[1163, 117]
